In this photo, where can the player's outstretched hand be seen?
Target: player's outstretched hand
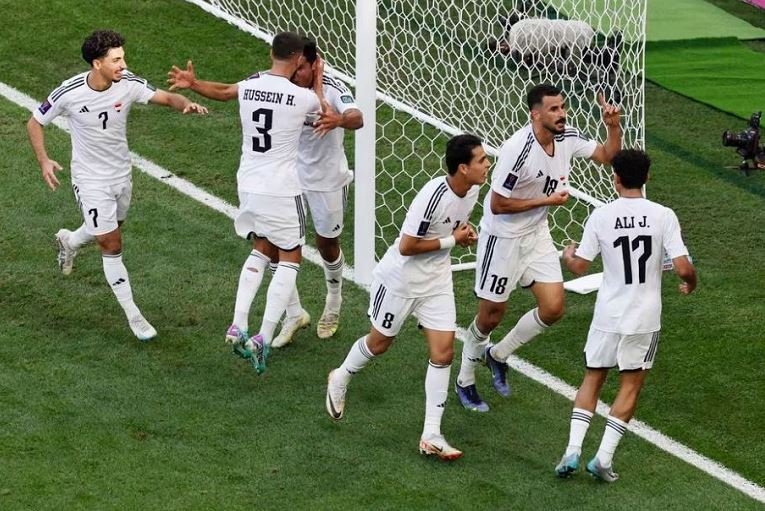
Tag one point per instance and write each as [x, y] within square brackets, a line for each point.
[611, 113]
[49, 169]
[181, 78]
[558, 198]
[195, 108]
[464, 235]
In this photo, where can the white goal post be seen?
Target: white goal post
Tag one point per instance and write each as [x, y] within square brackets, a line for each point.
[426, 70]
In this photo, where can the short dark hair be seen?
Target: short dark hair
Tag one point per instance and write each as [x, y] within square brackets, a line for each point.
[536, 94]
[631, 165]
[459, 150]
[287, 44]
[310, 52]
[98, 44]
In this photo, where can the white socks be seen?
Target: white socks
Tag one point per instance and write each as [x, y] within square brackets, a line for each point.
[580, 423]
[249, 281]
[472, 355]
[280, 291]
[333, 275]
[79, 238]
[358, 357]
[528, 327]
[294, 307]
[117, 278]
[436, 390]
[615, 429]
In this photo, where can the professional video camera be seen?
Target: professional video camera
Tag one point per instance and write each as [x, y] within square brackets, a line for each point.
[747, 144]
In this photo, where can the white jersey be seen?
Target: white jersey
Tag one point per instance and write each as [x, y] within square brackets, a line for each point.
[98, 125]
[434, 213]
[322, 165]
[631, 235]
[525, 171]
[272, 110]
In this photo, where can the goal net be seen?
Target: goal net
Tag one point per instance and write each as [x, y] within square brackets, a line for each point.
[446, 67]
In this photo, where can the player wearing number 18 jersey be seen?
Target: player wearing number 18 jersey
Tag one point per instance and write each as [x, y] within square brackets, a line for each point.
[514, 244]
[97, 104]
[415, 278]
[272, 111]
[631, 234]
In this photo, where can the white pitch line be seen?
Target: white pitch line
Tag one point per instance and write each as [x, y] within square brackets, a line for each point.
[683, 452]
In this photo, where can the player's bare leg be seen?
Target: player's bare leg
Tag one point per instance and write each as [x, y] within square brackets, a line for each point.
[361, 353]
[117, 277]
[333, 262]
[432, 441]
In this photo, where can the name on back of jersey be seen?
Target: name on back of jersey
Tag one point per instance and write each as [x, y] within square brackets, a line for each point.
[268, 97]
[628, 222]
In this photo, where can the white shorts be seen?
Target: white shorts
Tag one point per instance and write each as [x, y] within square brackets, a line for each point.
[327, 211]
[629, 352]
[388, 311]
[103, 206]
[280, 220]
[503, 263]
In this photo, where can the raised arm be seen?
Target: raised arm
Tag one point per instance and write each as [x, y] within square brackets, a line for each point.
[186, 79]
[604, 153]
[37, 139]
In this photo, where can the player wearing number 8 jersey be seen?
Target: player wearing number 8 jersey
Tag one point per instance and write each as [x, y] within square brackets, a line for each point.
[631, 234]
[415, 278]
[514, 245]
[97, 104]
[272, 111]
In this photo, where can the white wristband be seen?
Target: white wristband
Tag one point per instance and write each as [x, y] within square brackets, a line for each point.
[447, 242]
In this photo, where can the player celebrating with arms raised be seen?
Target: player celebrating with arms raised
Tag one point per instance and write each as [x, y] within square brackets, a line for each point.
[514, 245]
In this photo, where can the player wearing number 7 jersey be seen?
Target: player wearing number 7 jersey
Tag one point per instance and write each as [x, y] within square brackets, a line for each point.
[514, 244]
[97, 103]
[415, 278]
[631, 234]
[272, 111]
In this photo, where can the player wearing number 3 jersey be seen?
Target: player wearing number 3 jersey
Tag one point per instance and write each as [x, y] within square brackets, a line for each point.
[97, 104]
[272, 112]
[415, 278]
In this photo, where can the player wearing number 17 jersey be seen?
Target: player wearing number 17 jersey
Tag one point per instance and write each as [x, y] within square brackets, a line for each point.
[415, 278]
[631, 234]
[514, 244]
[272, 111]
[97, 103]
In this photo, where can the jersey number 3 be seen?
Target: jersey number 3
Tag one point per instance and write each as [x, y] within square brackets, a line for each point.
[263, 119]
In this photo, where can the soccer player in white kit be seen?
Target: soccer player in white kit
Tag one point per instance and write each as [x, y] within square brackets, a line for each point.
[514, 244]
[272, 112]
[631, 234]
[325, 179]
[97, 103]
[415, 278]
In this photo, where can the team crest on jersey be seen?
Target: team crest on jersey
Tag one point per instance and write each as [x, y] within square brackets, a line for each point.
[45, 107]
[346, 99]
[118, 106]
